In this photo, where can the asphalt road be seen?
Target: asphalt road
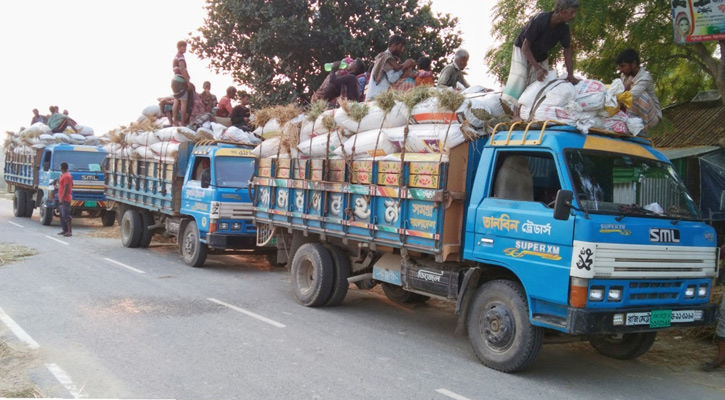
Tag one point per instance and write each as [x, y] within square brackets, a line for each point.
[111, 322]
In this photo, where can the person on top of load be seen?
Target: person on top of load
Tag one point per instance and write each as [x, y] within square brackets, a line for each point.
[341, 83]
[640, 84]
[38, 118]
[58, 122]
[388, 71]
[452, 74]
[529, 60]
[180, 85]
[207, 97]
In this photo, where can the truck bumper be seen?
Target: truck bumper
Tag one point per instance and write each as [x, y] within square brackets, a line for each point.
[583, 321]
[224, 241]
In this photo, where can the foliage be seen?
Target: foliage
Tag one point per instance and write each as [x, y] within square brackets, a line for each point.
[278, 47]
[602, 29]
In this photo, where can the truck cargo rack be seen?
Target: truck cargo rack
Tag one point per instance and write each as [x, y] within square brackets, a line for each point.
[536, 141]
[203, 146]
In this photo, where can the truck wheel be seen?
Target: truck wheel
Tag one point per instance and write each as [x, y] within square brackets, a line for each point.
[312, 273]
[625, 346]
[398, 295]
[146, 220]
[46, 214]
[499, 328]
[29, 205]
[108, 218]
[19, 203]
[192, 250]
[340, 273]
[131, 228]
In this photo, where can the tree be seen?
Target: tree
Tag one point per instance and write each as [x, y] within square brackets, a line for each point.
[603, 28]
[278, 47]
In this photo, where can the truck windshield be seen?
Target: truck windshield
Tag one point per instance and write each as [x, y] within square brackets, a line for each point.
[621, 184]
[234, 172]
[79, 160]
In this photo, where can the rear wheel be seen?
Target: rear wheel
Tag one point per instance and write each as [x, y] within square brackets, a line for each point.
[19, 203]
[146, 220]
[341, 271]
[193, 252]
[312, 274]
[29, 205]
[398, 295]
[625, 346]
[131, 228]
[499, 328]
[108, 218]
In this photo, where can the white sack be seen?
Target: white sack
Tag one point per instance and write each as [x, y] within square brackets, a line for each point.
[92, 140]
[61, 138]
[235, 134]
[427, 138]
[165, 149]
[318, 146]
[477, 110]
[76, 138]
[398, 116]
[371, 143]
[152, 111]
[267, 148]
[590, 95]
[84, 130]
[182, 134]
[428, 111]
[143, 138]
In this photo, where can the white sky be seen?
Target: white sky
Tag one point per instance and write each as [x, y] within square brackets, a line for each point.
[104, 61]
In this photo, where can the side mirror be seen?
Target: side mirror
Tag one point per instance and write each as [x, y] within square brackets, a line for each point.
[205, 179]
[722, 200]
[562, 205]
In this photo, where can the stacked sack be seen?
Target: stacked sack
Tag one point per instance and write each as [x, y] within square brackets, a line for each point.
[436, 120]
[37, 136]
[588, 104]
[152, 137]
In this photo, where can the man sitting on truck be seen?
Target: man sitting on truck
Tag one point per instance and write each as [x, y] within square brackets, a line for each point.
[388, 71]
[640, 84]
[58, 122]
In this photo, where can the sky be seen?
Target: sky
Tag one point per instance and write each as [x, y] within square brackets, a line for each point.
[104, 61]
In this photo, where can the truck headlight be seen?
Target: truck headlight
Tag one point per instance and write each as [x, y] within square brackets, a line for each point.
[223, 226]
[615, 294]
[702, 291]
[690, 292]
[596, 294]
[237, 226]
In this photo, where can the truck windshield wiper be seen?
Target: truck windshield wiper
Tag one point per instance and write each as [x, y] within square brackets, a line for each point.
[631, 209]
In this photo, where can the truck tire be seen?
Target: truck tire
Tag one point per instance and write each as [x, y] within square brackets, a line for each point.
[29, 205]
[398, 295]
[499, 329]
[108, 218]
[131, 228]
[19, 203]
[193, 252]
[625, 346]
[45, 213]
[340, 273]
[146, 220]
[312, 273]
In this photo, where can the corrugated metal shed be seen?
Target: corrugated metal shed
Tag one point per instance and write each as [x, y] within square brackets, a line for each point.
[691, 124]
[676, 153]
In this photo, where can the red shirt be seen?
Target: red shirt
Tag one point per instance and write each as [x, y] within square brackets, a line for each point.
[65, 180]
[224, 109]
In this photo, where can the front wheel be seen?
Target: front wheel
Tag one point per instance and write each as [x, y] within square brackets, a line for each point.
[46, 214]
[499, 328]
[626, 346]
[193, 252]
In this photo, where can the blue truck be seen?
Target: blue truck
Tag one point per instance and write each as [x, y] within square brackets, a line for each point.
[537, 230]
[200, 196]
[32, 177]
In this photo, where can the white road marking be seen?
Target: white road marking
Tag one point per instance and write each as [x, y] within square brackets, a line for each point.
[57, 240]
[17, 330]
[124, 265]
[64, 379]
[18, 225]
[452, 395]
[249, 313]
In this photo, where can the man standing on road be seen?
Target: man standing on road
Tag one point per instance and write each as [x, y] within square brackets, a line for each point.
[529, 60]
[180, 86]
[65, 189]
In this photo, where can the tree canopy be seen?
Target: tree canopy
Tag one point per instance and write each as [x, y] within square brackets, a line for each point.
[278, 47]
[602, 29]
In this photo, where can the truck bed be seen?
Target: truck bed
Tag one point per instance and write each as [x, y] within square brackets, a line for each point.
[415, 205]
[153, 185]
[21, 170]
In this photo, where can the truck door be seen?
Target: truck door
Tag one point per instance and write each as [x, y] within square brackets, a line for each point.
[515, 225]
[198, 192]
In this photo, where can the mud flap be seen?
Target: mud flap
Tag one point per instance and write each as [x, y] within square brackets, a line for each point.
[468, 289]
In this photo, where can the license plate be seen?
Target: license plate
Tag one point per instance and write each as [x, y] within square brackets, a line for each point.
[660, 318]
[91, 203]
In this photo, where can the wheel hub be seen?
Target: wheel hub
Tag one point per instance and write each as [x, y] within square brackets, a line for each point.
[498, 327]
